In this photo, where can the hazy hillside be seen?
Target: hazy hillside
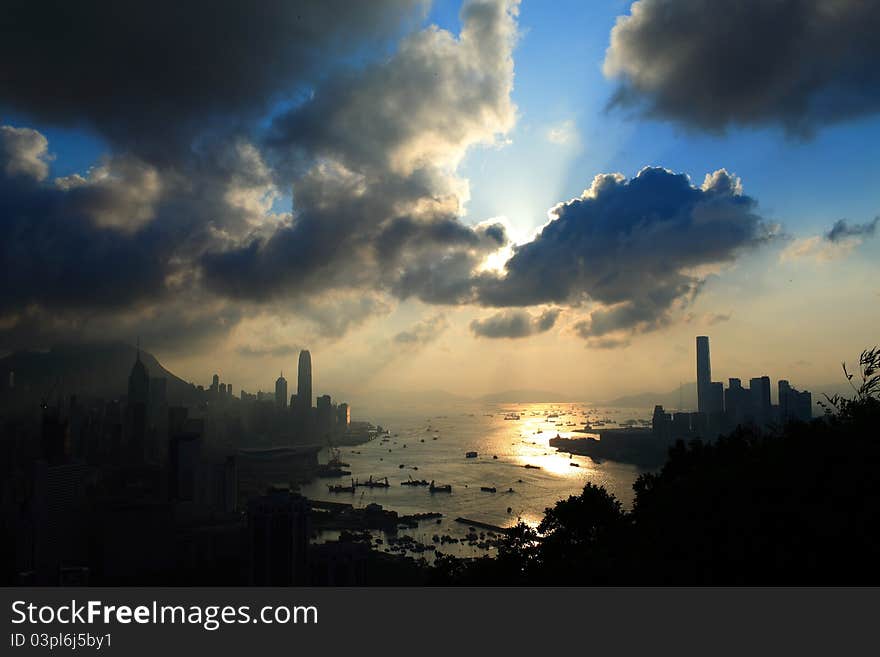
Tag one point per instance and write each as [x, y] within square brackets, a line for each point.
[94, 369]
[684, 398]
[525, 396]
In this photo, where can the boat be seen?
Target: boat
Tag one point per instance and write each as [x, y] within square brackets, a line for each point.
[511, 416]
[445, 488]
[414, 482]
[470, 455]
[339, 488]
[529, 466]
[574, 465]
[369, 483]
[488, 489]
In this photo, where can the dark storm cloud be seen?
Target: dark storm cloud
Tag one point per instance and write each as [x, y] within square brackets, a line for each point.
[433, 98]
[183, 204]
[373, 153]
[404, 232]
[709, 64]
[633, 246]
[116, 236]
[842, 230]
[151, 75]
[514, 324]
[53, 253]
[181, 325]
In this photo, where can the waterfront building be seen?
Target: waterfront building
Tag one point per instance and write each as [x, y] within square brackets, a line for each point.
[343, 417]
[281, 392]
[324, 417]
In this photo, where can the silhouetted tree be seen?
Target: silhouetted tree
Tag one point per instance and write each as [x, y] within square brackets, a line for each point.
[579, 536]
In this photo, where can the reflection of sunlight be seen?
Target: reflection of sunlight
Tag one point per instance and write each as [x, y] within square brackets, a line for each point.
[531, 519]
[533, 431]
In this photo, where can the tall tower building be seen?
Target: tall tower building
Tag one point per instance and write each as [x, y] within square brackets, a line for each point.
[704, 374]
[137, 410]
[304, 380]
[138, 382]
[281, 391]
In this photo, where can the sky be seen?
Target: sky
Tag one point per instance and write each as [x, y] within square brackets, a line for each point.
[465, 196]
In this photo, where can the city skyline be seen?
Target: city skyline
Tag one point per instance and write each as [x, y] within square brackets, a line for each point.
[566, 225]
[478, 293]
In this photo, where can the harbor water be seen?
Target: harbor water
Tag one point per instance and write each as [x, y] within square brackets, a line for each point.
[435, 447]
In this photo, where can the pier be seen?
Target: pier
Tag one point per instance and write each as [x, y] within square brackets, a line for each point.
[483, 525]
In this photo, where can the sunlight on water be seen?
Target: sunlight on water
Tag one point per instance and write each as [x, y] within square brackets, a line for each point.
[435, 447]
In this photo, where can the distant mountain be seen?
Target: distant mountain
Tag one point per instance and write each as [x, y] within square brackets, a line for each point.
[426, 398]
[89, 370]
[684, 397]
[525, 396]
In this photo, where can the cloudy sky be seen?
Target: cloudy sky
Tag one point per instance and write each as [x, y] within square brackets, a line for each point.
[471, 196]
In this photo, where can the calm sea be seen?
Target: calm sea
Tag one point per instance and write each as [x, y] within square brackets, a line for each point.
[433, 447]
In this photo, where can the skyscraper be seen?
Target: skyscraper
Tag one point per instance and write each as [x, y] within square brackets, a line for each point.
[304, 380]
[759, 392]
[303, 416]
[138, 382]
[281, 391]
[324, 417]
[137, 410]
[343, 416]
[736, 400]
[704, 373]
